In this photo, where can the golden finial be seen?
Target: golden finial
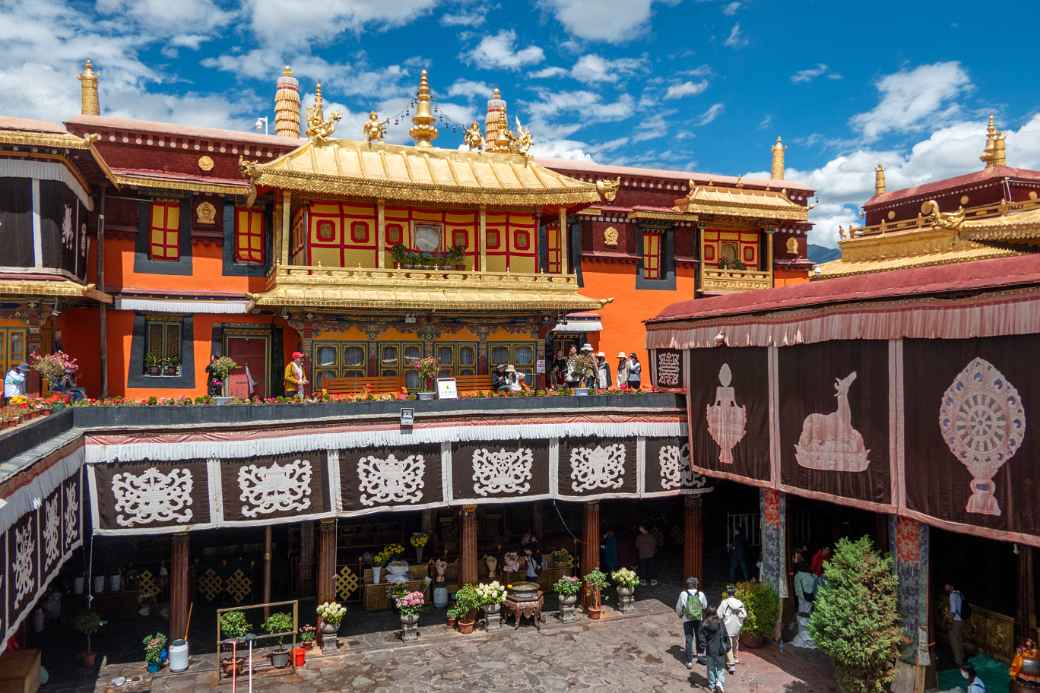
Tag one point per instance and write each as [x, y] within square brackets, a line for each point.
[423, 130]
[318, 128]
[989, 153]
[496, 124]
[90, 103]
[879, 180]
[472, 138]
[777, 170]
[287, 105]
[521, 142]
[373, 129]
[1000, 150]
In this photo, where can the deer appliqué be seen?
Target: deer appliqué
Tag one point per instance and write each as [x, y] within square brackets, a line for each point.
[828, 441]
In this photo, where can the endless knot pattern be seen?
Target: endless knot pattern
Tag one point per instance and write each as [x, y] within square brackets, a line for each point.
[502, 471]
[211, 584]
[147, 588]
[601, 467]
[51, 530]
[674, 461]
[71, 513]
[277, 488]
[24, 572]
[152, 497]
[346, 583]
[390, 480]
[239, 586]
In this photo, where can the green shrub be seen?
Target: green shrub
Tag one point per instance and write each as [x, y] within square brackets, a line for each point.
[233, 625]
[467, 601]
[855, 618]
[763, 608]
[278, 623]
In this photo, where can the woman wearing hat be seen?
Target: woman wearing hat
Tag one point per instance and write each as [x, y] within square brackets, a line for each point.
[515, 379]
[622, 370]
[602, 371]
[14, 381]
[295, 378]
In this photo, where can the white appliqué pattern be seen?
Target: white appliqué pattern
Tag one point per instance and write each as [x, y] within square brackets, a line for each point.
[502, 471]
[152, 497]
[390, 480]
[51, 530]
[674, 462]
[71, 513]
[24, 575]
[276, 488]
[600, 467]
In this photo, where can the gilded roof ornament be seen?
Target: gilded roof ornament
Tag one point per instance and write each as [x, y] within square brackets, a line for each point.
[472, 137]
[318, 128]
[777, 168]
[90, 103]
[995, 153]
[879, 179]
[519, 143]
[608, 188]
[374, 129]
[423, 130]
[951, 220]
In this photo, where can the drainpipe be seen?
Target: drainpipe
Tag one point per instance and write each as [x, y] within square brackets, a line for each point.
[103, 311]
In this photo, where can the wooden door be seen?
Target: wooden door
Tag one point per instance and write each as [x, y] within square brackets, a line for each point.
[251, 350]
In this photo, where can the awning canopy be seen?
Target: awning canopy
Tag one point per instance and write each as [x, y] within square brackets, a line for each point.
[159, 305]
[742, 203]
[578, 326]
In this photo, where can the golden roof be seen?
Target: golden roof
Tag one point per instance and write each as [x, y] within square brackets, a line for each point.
[401, 173]
[1023, 226]
[743, 203]
[51, 288]
[844, 268]
[434, 290]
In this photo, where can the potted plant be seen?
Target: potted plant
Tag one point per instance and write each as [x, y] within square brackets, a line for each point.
[53, 367]
[88, 622]
[428, 367]
[307, 635]
[218, 369]
[562, 559]
[409, 607]
[567, 589]
[418, 542]
[492, 594]
[585, 372]
[467, 601]
[153, 364]
[280, 624]
[232, 626]
[626, 581]
[154, 645]
[453, 615]
[763, 608]
[595, 583]
[171, 365]
[331, 615]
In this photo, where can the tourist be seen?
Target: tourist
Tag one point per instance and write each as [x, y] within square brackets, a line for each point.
[635, 371]
[514, 379]
[622, 371]
[818, 559]
[499, 381]
[646, 548]
[691, 606]
[975, 684]
[956, 623]
[738, 556]
[609, 554]
[532, 563]
[295, 378]
[732, 612]
[570, 376]
[559, 368]
[805, 591]
[14, 381]
[67, 385]
[602, 371]
[716, 645]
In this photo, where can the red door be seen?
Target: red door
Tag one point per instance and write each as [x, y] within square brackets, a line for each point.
[251, 352]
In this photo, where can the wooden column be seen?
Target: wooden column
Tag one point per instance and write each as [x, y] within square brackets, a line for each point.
[380, 234]
[693, 538]
[286, 226]
[482, 238]
[326, 576]
[590, 550]
[564, 260]
[267, 569]
[468, 546]
[102, 308]
[769, 255]
[180, 590]
[1025, 617]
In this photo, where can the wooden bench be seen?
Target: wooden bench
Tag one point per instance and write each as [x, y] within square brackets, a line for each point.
[473, 383]
[376, 384]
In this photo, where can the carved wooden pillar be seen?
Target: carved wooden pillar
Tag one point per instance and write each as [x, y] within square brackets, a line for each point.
[1025, 618]
[564, 260]
[468, 546]
[180, 591]
[326, 576]
[590, 552]
[693, 538]
[267, 569]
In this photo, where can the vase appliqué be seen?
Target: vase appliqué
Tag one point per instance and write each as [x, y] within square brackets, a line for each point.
[727, 421]
[275, 488]
[152, 496]
[391, 480]
[71, 491]
[675, 470]
[22, 567]
[502, 471]
[52, 530]
[599, 467]
[828, 441]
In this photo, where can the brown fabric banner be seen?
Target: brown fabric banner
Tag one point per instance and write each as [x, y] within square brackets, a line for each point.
[833, 407]
[390, 477]
[971, 450]
[23, 573]
[668, 467]
[597, 466]
[500, 469]
[274, 486]
[136, 495]
[72, 511]
[729, 411]
[668, 365]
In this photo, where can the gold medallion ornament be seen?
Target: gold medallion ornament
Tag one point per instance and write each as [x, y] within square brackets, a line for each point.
[205, 163]
[610, 236]
[792, 245]
[608, 188]
[205, 213]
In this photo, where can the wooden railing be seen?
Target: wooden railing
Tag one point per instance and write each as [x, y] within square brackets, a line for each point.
[978, 212]
[715, 279]
[363, 275]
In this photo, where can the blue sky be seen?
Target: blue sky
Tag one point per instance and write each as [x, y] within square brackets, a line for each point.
[700, 85]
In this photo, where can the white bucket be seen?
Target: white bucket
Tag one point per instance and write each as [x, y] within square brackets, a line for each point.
[99, 584]
[440, 597]
[178, 655]
[115, 583]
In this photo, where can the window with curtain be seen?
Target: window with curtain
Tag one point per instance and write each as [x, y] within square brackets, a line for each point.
[163, 347]
[249, 236]
[164, 237]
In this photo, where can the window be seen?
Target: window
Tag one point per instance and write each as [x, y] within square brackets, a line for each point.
[12, 347]
[553, 252]
[162, 350]
[359, 232]
[522, 355]
[522, 240]
[164, 236]
[249, 236]
[400, 359]
[493, 239]
[652, 255]
[457, 358]
[459, 238]
[339, 360]
[394, 234]
[326, 232]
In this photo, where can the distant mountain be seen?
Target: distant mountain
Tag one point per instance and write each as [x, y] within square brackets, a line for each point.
[820, 253]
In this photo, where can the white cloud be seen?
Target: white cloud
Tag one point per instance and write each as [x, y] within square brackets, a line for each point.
[593, 68]
[736, 38]
[560, 149]
[500, 51]
[295, 22]
[811, 73]
[169, 18]
[613, 21]
[766, 121]
[552, 116]
[468, 19]
[469, 89]
[547, 72]
[914, 99]
[731, 8]
[688, 88]
[652, 128]
[713, 112]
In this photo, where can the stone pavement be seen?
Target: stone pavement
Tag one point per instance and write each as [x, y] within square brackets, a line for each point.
[639, 651]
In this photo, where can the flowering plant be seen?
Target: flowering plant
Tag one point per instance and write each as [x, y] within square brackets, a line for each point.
[222, 366]
[54, 366]
[307, 634]
[567, 586]
[411, 604]
[389, 553]
[596, 580]
[561, 558]
[624, 577]
[153, 647]
[428, 368]
[331, 612]
[419, 539]
[491, 593]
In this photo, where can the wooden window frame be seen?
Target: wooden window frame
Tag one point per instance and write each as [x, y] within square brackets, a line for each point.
[340, 368]
[530, 372]
[252, 256]
[652, 254]
[454, 367]
[166, 325]
[165, 230]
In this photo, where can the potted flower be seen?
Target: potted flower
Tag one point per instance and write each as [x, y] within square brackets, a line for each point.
[452, 614]
[307, 635]
[428, 367]
[232, 626]
[153, 364]
[467, 601]
[567, 589]
[53, 367]
[171, 365]
[331, 615]
[595, 583]
[562, 559]
[626, 581]
[418, 542]
[492, 594]
[280, 624]
[409, 607]
[585, 372]
[88, 622]
[763, 608]
[154, 645]
[218, 369]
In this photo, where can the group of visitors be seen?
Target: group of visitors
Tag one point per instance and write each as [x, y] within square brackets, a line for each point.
[648, 540]
[711, 635]
[566, 371]
[507, 378]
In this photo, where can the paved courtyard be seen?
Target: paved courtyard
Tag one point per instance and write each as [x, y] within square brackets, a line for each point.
[631, 652]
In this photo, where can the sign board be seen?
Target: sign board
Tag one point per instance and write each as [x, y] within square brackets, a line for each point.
[446, 388]
[238, 386]
[407, 416]
[539, 366]
[669, 368]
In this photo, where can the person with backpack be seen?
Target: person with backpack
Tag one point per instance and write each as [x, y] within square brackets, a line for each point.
[716, 646]
[732, 612]
[975, 684]
[805, 591]
[959, 612]
[691, 606]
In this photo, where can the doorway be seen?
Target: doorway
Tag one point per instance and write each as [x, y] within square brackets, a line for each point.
[251, 351]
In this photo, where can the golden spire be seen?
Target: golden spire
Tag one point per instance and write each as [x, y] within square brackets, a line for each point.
[90, 103]
[1000, 150]
[989, 154]
[287, 105]
[423, 130]
[879, 180]
[777, 171]
[496, 124]
[318, 128]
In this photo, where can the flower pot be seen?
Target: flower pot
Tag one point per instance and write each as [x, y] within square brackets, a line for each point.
[154, 370]
[568, 610]
[377, 572]
[593, 612]
[88, 659]
[625, 598]
[230, 666]
[328, 637]
[170, 370]
[300, 656]
[451, 622]
[427, 396]
[153, 667]
[280, 659]
[409, 627]
[307, 644]
[466, 627]
[752, 641]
